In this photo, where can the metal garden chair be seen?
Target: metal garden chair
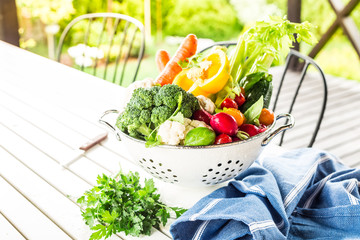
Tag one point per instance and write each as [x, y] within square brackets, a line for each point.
[290, 89]
[103, 44]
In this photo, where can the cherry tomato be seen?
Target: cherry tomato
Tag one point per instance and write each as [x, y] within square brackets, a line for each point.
[240, 99]
[202, 115]
[229, 103]
[239, 116]
[222, 138]
[266, 117]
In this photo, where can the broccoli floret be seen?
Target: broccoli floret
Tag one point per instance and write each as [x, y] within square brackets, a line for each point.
[135, 122]
[142, 98]
[155, 89]
[189, 105]
[160, 114]
[148, 108]
[145, 116]
[168, 95]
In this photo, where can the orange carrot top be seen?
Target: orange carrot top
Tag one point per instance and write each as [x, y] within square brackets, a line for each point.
[162, 57]
[172, 68]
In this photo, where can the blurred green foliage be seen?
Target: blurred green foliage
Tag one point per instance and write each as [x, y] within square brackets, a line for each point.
[205, 18]
[215, 19]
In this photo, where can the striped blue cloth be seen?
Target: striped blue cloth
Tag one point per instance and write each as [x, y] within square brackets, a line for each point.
[301, 194]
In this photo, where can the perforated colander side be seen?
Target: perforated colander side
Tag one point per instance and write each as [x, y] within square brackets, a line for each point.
[222, 172]
[156, 169]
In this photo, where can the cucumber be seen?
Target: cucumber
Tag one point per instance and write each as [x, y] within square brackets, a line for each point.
[262, 88]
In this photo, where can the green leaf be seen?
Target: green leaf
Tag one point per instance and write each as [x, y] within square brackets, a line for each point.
[100, 232]
[81, 200]
[153, 140]
[149, 186]
[179, 117]
[200, 136]
[192, 61]
[178, 211]
[253, 112]
[109, 218]
[164, 215]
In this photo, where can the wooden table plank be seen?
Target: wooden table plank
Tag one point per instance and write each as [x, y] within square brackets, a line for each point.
[31, 222]
[8, 231]
[87, 127]
[57, 207]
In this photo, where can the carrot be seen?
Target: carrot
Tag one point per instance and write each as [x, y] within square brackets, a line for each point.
[172, 68]
[162, 57]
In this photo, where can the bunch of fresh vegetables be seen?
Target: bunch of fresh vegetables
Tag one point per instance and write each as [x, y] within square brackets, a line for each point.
[121, 204]
[233, 93]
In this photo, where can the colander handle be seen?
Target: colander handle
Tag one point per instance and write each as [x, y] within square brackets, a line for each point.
[112, 128]
[290, 122]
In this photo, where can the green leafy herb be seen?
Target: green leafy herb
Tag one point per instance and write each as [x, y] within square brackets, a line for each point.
[121, 204]
[192, 61]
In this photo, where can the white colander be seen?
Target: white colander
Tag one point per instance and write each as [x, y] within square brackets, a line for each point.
[198, 165]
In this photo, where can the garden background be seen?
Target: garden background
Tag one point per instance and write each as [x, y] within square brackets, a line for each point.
[210, 20]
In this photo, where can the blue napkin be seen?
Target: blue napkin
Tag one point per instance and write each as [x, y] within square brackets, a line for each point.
[302, 194]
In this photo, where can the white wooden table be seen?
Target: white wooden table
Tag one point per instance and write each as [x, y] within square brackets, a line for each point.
[47, 110]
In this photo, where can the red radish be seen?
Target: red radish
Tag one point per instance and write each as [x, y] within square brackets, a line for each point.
[229, 103]
[250, 129]
[240, 99]
[222, 138]
[224, 123]
[202, 115]
[262, 128]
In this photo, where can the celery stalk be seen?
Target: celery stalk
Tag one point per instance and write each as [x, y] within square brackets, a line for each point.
[264, 42]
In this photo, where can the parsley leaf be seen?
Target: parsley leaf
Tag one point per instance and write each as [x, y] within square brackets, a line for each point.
[121, 204]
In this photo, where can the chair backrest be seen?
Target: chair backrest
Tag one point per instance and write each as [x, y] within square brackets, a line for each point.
[306, 100]
[104, 45]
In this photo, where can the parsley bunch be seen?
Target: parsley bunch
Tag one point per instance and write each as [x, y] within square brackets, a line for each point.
[121, 204]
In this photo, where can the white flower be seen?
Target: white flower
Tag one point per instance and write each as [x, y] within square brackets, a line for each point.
[84, 55]
[83, 61]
